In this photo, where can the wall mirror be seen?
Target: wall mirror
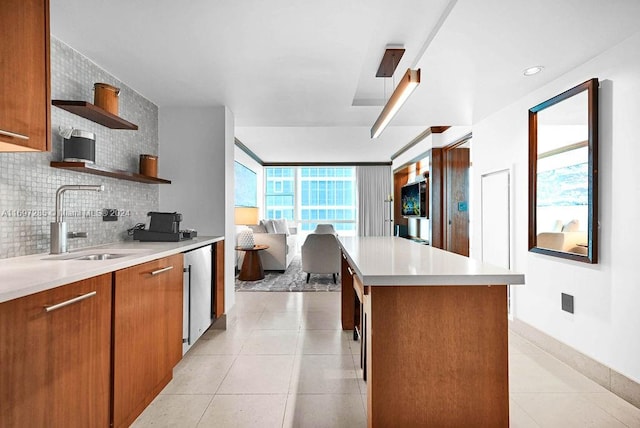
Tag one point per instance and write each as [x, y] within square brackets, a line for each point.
[563, 174]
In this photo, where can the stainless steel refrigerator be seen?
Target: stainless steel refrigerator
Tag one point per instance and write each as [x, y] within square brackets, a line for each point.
[198, 280]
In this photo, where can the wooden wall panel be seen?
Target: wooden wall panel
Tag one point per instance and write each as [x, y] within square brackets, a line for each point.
[436, 178]
[457, 193]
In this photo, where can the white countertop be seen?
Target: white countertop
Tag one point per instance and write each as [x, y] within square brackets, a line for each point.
[21, 276]
[380, 260]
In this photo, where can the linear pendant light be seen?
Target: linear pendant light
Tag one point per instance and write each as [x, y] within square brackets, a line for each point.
[409, 82]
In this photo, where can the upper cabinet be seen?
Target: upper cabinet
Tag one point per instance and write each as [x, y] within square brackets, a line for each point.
[25, 92]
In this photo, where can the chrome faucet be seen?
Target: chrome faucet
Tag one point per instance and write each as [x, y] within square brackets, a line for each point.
[59, 232]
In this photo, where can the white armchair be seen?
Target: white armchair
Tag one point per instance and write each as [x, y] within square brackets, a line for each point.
[321, 255]
[325, 228]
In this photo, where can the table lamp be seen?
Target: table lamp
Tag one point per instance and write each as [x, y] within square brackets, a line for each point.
[246, 216]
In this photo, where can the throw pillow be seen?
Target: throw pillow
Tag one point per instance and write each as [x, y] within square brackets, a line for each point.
[572, 226]
[268, 225]
[557, 227]
[259, 228]
[281, 226]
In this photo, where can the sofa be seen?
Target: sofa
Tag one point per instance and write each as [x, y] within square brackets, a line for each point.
[282, 245]
[567, 242]
[566, 238]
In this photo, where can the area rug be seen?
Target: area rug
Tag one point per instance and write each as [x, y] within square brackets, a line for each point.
[293, 279]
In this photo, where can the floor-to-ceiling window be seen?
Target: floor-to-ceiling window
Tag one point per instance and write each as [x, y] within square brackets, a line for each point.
[279, 193]
[312, 195]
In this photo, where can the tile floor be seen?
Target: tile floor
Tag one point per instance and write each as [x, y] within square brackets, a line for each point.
[284, 362]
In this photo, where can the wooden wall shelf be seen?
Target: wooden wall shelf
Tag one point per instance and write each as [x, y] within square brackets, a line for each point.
[95, 114]
[88, 168]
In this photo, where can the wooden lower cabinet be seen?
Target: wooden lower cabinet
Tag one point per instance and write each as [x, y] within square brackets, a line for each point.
[218, 275]
[147, 334]
[437, 356]
[55, 365]
[348, 295]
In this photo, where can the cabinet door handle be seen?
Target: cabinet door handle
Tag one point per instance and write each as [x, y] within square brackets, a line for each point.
[13, 134]
[69, 302]
[159, 271]
[350, 271]
[344, 256]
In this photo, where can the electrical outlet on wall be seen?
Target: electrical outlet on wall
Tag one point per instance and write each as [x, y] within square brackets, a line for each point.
[567, 303]
[109, 214]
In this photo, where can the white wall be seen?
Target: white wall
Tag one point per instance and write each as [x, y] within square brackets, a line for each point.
[196, 153]
[606, 323]
[414, 154]
[229, 219]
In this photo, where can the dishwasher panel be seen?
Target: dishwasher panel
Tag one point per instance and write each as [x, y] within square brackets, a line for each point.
[198, 281]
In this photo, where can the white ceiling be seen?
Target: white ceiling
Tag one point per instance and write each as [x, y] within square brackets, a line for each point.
[296, 73]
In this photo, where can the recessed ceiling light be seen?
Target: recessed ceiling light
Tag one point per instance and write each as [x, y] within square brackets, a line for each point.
[533, 70]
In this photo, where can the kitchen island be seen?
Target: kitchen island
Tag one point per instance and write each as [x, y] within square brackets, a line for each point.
[435, 329]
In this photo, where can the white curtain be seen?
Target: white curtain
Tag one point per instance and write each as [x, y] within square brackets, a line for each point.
[373, 184]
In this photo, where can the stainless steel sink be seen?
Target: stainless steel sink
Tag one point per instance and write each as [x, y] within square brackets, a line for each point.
[100, 256]
[105, 254]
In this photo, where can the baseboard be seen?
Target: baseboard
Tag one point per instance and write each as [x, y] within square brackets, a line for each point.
[608, 378]
[220, 323]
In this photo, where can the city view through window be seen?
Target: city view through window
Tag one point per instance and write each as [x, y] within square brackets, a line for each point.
[307, 196]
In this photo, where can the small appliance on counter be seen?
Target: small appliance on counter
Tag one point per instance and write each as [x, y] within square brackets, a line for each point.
[78, 146]
[164, 227]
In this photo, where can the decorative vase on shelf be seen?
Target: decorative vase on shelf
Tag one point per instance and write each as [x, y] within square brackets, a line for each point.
[245, 239]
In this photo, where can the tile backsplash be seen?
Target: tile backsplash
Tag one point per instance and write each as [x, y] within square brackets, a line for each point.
[28, 184]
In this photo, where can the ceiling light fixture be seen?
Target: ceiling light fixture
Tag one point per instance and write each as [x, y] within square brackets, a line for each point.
[405, 87]
[533, 70]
